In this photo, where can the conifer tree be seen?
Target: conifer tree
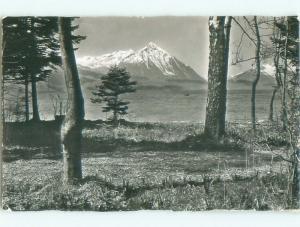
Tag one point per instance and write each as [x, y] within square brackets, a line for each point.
[31, 53]
[114, 84]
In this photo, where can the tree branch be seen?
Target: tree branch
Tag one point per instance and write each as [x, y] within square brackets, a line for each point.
[243, 60]
[250, 25]
[241, 27]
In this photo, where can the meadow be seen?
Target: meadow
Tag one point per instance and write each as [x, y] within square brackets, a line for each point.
[148, 166]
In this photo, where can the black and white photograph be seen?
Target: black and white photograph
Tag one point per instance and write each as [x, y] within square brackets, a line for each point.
[178, 113]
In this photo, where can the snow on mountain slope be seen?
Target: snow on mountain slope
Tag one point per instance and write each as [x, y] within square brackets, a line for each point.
[150, 61]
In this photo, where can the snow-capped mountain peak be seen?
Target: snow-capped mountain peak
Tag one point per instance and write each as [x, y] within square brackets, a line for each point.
[153, 54]
[150, 59]
[150, 54]
[152, 47]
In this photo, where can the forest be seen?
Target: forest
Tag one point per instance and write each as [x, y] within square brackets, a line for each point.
[117, 164]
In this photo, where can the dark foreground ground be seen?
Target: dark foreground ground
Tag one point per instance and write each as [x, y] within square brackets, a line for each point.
[147, 166]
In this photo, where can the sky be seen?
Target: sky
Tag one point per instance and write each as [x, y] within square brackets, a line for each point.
[186, 38]
[183, 37]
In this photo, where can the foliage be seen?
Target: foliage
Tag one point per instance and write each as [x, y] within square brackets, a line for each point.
[31, 48]
[31, 52]
[115, 83]
[291, 33]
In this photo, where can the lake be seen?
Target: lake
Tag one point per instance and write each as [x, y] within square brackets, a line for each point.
[169, 105]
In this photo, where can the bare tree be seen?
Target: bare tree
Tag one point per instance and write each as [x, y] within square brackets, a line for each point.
[255, 82]
[280, 45]
[72, 124]
[277, 73]
[288, 44]
[59, 105]
[271, 107]
[284, 81]
[253, 34]
[219, 28]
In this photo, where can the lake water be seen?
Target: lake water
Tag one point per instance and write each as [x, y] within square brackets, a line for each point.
[169, 105]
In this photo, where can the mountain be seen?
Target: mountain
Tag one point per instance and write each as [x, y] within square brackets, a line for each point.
[244, 81]
[148, 65]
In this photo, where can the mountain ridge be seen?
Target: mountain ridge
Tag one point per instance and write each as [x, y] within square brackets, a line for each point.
[149, 62]
[244, 80]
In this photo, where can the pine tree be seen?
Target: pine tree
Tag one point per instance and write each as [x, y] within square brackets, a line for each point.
[114, 84]
[31, 53]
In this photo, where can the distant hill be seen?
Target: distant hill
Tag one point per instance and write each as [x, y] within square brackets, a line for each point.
[244, 81]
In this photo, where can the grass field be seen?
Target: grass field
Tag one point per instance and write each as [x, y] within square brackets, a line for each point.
[150, 166]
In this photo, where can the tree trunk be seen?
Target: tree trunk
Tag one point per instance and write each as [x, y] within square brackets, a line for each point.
[284, 86]
[34, 98]
[271, 113]
[35, 108]
[255, 82]
[226, 59]
[115, 118]
[296, 179]
[293, 114]
[296, 104]
[217, 77]
[60, 108]
[283, 104]
[115, 112]
[276, 35]
[72, 125]
[1, 110]
[227, 42]
[277, 72]
[26, 100]
[294, 130]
